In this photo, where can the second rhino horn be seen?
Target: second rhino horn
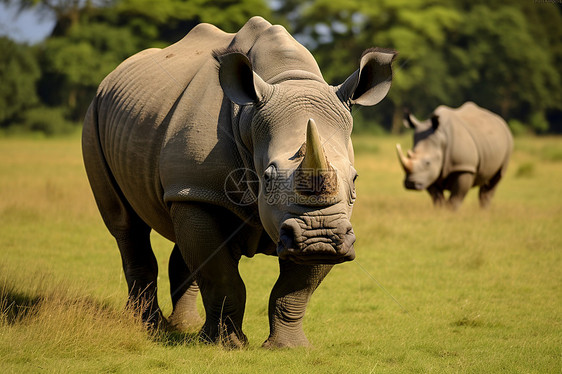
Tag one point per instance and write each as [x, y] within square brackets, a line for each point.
[406, 162]
[314, 157]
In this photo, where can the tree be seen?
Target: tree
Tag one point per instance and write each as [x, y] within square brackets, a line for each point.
[67, 13]
[174, 18]
[510, 69]
[74, 65]
[338, 31]
[92, 37]
[18, 73]
[504, 56]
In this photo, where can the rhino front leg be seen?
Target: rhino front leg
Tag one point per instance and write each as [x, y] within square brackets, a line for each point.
[205, 236]
[460, 186]
[487, 191]
[437, 196]
[288, 301]
[184, 291]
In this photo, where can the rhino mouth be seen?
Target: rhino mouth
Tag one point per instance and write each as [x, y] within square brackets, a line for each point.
[306, 243]
[411, 185]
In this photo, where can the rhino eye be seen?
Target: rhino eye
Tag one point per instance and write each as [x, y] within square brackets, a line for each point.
[269, 175]
[352, 193]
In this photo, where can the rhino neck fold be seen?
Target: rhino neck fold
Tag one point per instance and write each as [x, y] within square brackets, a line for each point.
[240, 116]
[459, 151]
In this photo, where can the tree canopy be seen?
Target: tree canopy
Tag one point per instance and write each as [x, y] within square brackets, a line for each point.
[18, 73]
[505, 56]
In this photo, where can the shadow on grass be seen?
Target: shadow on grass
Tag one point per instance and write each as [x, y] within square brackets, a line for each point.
[36, 304]
[18, 306]
[15, 306]
[170, 338]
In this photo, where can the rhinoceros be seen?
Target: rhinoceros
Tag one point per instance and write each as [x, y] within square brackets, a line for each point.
[228, 145]
[455, 150]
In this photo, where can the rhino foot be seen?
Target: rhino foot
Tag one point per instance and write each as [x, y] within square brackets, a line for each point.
[223, 336]
[293, 340]
[185, 322]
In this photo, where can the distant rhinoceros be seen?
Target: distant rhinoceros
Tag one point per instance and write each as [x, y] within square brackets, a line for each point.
[457, 149]
[229, 145]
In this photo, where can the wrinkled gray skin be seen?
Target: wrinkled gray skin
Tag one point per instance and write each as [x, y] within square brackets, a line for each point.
[455, 150]
[168, 126]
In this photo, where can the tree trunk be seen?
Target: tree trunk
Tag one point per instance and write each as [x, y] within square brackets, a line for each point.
[397, 118]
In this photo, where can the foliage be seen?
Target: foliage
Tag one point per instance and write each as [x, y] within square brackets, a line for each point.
[518, 128]
[91, 38]
[513, 72]
[47, 120]
[18, 73]
[525, 170]
[174, 18]
[74, 65]
[505, 56]
[496, 54]
[340, 30]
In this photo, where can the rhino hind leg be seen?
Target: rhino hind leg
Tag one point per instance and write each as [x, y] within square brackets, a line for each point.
[141, 272]
[130, 232]
[486, 192]
[184, 291]
[206, 237]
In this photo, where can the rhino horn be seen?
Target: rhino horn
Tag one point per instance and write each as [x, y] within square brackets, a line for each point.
[314, 157]
[404, 161]
[315, 175]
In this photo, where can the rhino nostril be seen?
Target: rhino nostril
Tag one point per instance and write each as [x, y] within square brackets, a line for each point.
[287, 237]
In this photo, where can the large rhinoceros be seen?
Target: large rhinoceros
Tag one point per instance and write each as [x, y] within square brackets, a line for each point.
[455, 150]
[179, 140]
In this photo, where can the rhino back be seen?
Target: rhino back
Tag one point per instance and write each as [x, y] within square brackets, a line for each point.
[137, 103]
[491, 137]
[165, 127]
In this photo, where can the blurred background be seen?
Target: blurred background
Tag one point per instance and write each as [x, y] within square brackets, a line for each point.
[504, 55]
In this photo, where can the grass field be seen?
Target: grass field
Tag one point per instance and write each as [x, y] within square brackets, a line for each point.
[430, 291]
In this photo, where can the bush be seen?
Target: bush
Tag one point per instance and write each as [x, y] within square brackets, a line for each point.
[518, 128]
[551, 153]
[48, 121]
[538, 122]
[19, 72]
[366, 125]
[525, 170]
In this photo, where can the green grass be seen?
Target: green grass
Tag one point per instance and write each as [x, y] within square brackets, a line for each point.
[430, 291]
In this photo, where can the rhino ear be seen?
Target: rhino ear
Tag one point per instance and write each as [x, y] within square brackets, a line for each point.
[407, 121]
[434, 122]
[239, 81]
[411, 122]
[370, 83]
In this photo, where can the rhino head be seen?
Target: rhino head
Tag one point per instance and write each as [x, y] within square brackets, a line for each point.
[422, 164]
[297, 130]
